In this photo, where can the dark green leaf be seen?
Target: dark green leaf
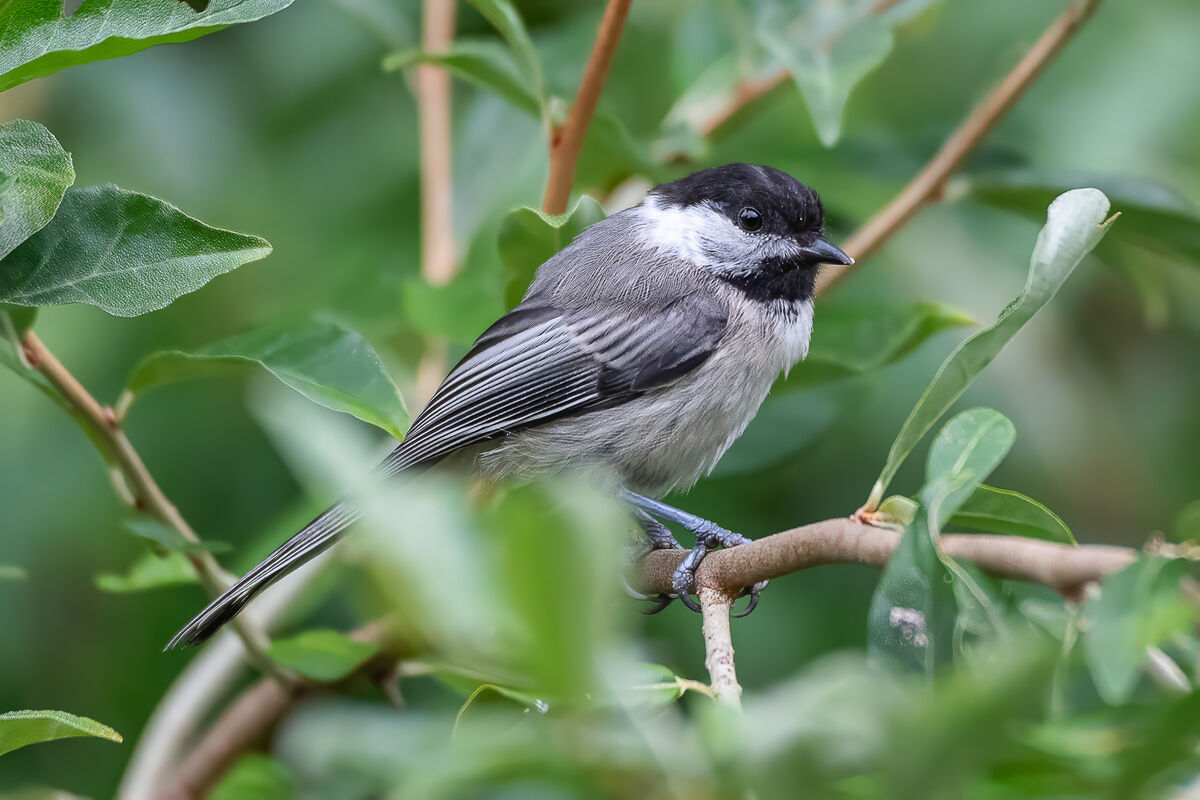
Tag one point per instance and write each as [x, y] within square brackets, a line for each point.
[322, 655]
[125, 252]
[1138, 607]
[325, 362]
[529, 237]
[255, 777]
[485, 63]
[963, 454]
[1075, 222]
[20, 728]
[39, 40]
[1011, 513]
[149, 572]
[848, 340]
[165, 539]
[34, 173]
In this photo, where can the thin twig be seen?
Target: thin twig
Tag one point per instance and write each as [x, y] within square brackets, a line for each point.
[437, 212]
[718, 646]
[928, 184]
[846, 541]
[566, 143]
[106, 434]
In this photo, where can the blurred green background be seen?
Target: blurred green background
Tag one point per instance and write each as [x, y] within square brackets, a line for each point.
[289, 129]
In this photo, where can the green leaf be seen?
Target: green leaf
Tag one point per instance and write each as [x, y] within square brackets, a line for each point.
[1010, 513]
[1075, 222]
[11, 572]
[35, 171]
[149, 572]
[20, 728]
[255, 777]
[322, 655]
[1154, 216]
[328, 364]
[849, 340]
[529, 237]
[124, 252]
[1139, 607]
[504, 18]
[164, 539]
[828, 48]
[459, 311]
[484, 63]
[39, 40]
[963, 454]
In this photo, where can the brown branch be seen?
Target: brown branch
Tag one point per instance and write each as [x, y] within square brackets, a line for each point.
[928, 184]
[718, 646]
[136, 486]
[566, 143]
[846, 541]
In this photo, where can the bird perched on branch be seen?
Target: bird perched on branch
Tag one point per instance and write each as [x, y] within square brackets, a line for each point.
[645, 347]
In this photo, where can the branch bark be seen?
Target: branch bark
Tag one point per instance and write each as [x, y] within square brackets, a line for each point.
[136, 485]
[928, 184]
[718, 646]
[566, 143]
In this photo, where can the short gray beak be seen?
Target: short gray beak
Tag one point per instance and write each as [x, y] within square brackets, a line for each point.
[822, 252]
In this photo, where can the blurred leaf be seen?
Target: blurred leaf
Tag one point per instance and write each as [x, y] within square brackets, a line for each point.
[529, 237]
[1185, 527]
[1011, 513]
[39, 40]
[1138, 607]
[35, 171]
[255, 777]
[149, 572]
[963, 454]
[20, 728]
[1168, 744]
[124, 252]
[1075, 222]
[848, 340]
[1153, 215]
[827, 48]
[322, 655]
[504, 18]
[11, 572]
[483, 62]
[20, 318]
[327, 363]
[164, 539]
[459, 311]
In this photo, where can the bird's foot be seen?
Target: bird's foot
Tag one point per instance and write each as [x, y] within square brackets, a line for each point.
[655, 536]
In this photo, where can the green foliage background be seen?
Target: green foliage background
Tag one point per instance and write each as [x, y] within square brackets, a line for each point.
[290, 129]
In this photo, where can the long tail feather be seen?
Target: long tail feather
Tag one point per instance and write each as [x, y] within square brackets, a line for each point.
[317, 536]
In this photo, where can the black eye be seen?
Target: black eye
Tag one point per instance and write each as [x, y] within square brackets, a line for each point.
[750, 219]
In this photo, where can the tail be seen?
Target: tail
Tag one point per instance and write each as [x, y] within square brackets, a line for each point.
[316, 537]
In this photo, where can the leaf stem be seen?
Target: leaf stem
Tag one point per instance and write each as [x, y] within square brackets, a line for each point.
[141, 491]
[566, 143]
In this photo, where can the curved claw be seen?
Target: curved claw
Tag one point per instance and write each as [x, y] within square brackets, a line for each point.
[634, 593]
[662, 601]
[753, 593]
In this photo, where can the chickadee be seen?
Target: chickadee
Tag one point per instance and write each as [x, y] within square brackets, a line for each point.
[645, 347]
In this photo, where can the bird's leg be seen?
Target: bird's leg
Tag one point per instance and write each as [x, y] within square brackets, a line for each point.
[656, 537]
[708, 535]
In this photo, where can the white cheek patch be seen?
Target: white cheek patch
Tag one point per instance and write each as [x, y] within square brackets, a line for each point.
[686, 233]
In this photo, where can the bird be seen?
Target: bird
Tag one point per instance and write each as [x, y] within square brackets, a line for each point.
[644, 347]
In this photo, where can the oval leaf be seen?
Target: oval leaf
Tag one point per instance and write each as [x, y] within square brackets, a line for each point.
[34, 173]
[1075, 222]
[124, 252]
[529, 237]
[39, 40]
[328, 364]
[322, 655]
[19, 728]
[1010, 513]
[962, 456]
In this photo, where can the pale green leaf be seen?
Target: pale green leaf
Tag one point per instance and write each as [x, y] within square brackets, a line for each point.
[164, 539]
[322, 655]
[149, 572]
[124, 252]
[504, 17]
[11, 572]
[1011, 513]
[963, 454]
[39, 40]
[328, 364]
[21, 728]
[35, 171]
[485, 63]
[1075, 222]
[255, 777]
[529, 237]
